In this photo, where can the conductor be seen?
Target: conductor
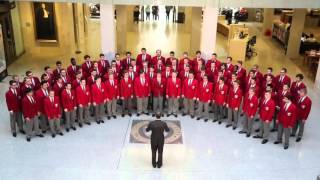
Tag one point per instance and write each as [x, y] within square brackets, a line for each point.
[157, 128]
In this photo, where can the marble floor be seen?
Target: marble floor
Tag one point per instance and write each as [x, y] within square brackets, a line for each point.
[209, 151]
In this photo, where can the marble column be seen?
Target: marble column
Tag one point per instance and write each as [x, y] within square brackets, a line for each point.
[268, 18]
[107, 25]
[209, 31]
[121, 26]
[195, 29]
[296, 29]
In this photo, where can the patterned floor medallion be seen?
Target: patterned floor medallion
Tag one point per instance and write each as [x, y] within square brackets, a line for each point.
[139, 135]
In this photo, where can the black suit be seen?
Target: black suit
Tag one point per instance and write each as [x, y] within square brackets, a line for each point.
[157, 128]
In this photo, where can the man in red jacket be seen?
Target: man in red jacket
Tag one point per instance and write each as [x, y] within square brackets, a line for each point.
[286, 120]
[30, 114]
[204, 97]
[142, 92]
[35, 82]
[83, 96]
[249, 108]
[52, 110]
[296, 86]
[282, 79]
[303, 109]
[40, 95]
[69, 106]
[13, 99]
[267, 108]
[144, 56]
[112, 95]
[220, 98]
[173, 90]
[73, 69]
[126, 93]
[233, 104]
[158, 87]
[189, 95]
[98, 95]
[86, 66]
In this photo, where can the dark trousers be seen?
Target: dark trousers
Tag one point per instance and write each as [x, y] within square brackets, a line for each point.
[157, 146]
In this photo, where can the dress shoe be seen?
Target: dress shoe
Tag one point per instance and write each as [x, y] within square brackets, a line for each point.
[67, 129]
[168, 115]
[74, 128]
[108, 117]
[192, 116]
[219, 122]
[22, 132]
[92, 115]
[80, 125]
[264, 141]
[159, 165]
[277, 142]
[146, 114]
[256, 120]
[257, 137]
[248, 135]
[98, 122]
[257, 130]
[138, 115]
[28, 139]
[273, 130]
[60, 133]
[215, 120]
[122, 115]
[198, 118]
[14, 134]
[40, 135]
[292, 135]
[205, 120]
[153, 115]
[162, 115]
[286, 147]
[106, 111]
[130, 114]
[228, 125]
[44, 131]
[184, 114]
[241, 114]
[242, 132]
[114, 117]
[298, 139]
[53, 135]
[175, 115]
[154, 165]
[234, 128]
[102, 121]
[88, 123]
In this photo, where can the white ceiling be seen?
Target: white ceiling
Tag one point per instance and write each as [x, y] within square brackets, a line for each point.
[212, 3]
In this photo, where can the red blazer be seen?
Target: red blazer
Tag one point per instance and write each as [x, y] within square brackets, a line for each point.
[267, 110]
[56, 73]
[287, 117]
[257, 90]
[58, 89]
[204, 93]
[155, 60]
[211, 74]
[35, 82]
[69, 102]
[52, 110]
[294, 89]
[158, 89]
[217, 62]
[66, 79]
[90, 80]
[72, 71]
[303, 108]
[140, 61]
[85, 69]
[142, 90]
[199, 76]
[75, 84]
[13, 101]
[279, 84]
[98, 95]
[29, 109]
[280, 96]
[234, 98]
[173, 90]
[164, 74]
[112, 92]
[190, 91]
[39, 94]
[161, 68]
[133, 75]
[124, 63]
[250, 106]
[230, 68]
[126, 88]
[83, 97]
[23, 89]
[220, 95]
[103, 65]
[182, 76]
[169, 61]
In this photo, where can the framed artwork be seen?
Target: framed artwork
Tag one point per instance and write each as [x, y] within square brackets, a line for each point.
[45, 22]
